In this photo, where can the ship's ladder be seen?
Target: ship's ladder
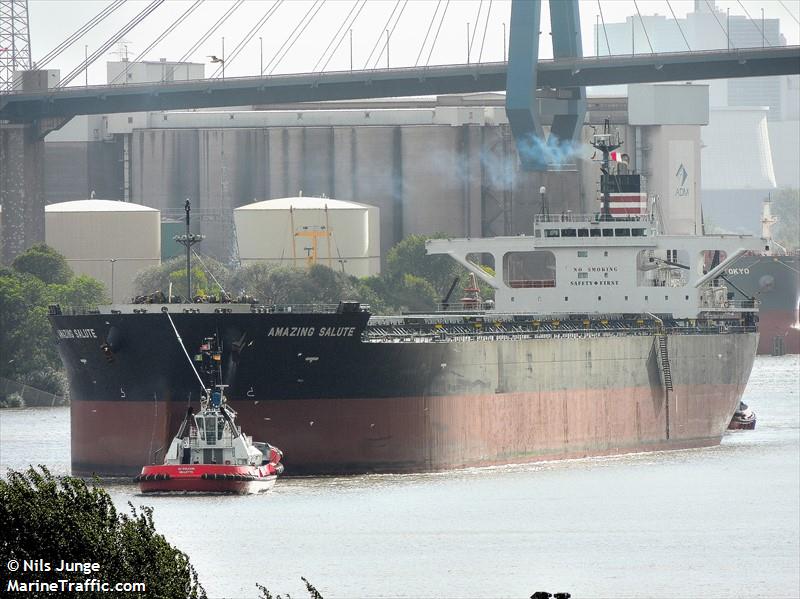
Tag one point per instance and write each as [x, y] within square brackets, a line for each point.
[663, 354]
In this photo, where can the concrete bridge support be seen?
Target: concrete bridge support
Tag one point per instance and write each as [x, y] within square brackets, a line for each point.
[21, 188]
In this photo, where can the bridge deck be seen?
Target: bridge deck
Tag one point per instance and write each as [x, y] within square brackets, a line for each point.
[396, 82]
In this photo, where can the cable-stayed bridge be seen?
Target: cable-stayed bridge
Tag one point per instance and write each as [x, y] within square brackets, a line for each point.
[396, 82]
[29, 115]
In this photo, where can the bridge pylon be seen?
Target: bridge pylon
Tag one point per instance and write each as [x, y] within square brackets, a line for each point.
[523, 107]
[15, 41]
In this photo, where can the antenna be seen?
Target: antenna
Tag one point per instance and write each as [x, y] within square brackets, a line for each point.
[606, 142]
[188, 240]
[15, 44]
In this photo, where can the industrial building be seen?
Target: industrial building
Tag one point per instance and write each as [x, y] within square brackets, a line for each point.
[445, 164]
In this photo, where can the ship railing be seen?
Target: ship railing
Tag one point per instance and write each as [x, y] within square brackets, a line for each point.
[545, 331]
[465, 306]
[302, 308]
[747, 305]
[570, 217]
[57, 310]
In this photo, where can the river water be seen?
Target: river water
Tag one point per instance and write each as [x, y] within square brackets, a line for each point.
[716, 522]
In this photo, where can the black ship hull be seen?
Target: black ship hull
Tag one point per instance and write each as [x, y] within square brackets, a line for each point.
[774, 280]
[338, 402]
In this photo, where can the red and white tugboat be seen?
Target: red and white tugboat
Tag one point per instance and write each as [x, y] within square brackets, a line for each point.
[743, 419]
[211, 454]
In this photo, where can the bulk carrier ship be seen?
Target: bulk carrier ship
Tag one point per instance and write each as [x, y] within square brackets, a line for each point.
[598, 341]
[772, 278]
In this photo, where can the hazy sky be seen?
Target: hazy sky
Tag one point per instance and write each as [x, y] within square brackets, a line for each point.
[52, 21]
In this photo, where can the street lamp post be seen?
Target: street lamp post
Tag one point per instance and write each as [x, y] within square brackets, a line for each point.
[467, 42]
[597, 36]
[387, 48]
[112, 260]
[260, 56]
[86, 64]
[223, 57]
[351, 49]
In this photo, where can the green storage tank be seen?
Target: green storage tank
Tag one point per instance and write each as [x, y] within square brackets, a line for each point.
[169, 247]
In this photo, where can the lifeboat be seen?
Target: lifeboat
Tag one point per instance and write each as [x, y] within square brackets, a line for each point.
[211, 454]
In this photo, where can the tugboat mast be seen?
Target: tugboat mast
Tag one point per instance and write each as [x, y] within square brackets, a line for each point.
[188, 240]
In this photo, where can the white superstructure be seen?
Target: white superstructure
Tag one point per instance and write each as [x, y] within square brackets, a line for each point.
[586, 265]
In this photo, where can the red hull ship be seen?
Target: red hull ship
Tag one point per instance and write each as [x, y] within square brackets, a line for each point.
[744, 419]
[206, 478]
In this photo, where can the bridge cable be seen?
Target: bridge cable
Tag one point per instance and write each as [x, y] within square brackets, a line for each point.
[352, 22]
[380, 34]
[641, 20]
[725, 31]
[485, 29]
[297, 37]
[679, 25]
[160, 38]
[762, 32]
[336, 35]
[471, 41]
[248, 36]
[391, 32]
[217, 24]
[789, 11]
[79, 33]
[274, 56]
[603, 21]
[436, 37]
[110, 42]
[427, 33]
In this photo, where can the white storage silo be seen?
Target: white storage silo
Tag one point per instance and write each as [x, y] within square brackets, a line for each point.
[344, 235]
[105, 239]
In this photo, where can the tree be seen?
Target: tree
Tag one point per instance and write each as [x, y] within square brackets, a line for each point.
[45, 263]
[28, 354]
[272, 284]
[50, 519]
[409, 258]
[158, 278]
[78, 291]
[313, 593]
[26, 347]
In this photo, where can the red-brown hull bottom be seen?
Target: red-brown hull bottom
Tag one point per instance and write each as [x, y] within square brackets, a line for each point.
[780, 324]
[413, 434]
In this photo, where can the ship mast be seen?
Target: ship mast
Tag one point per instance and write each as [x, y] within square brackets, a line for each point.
[188, 240]
[606, 143]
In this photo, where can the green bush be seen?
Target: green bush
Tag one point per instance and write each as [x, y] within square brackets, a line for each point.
[53, 519]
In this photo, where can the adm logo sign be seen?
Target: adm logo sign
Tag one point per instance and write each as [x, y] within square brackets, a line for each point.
[681, 189]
